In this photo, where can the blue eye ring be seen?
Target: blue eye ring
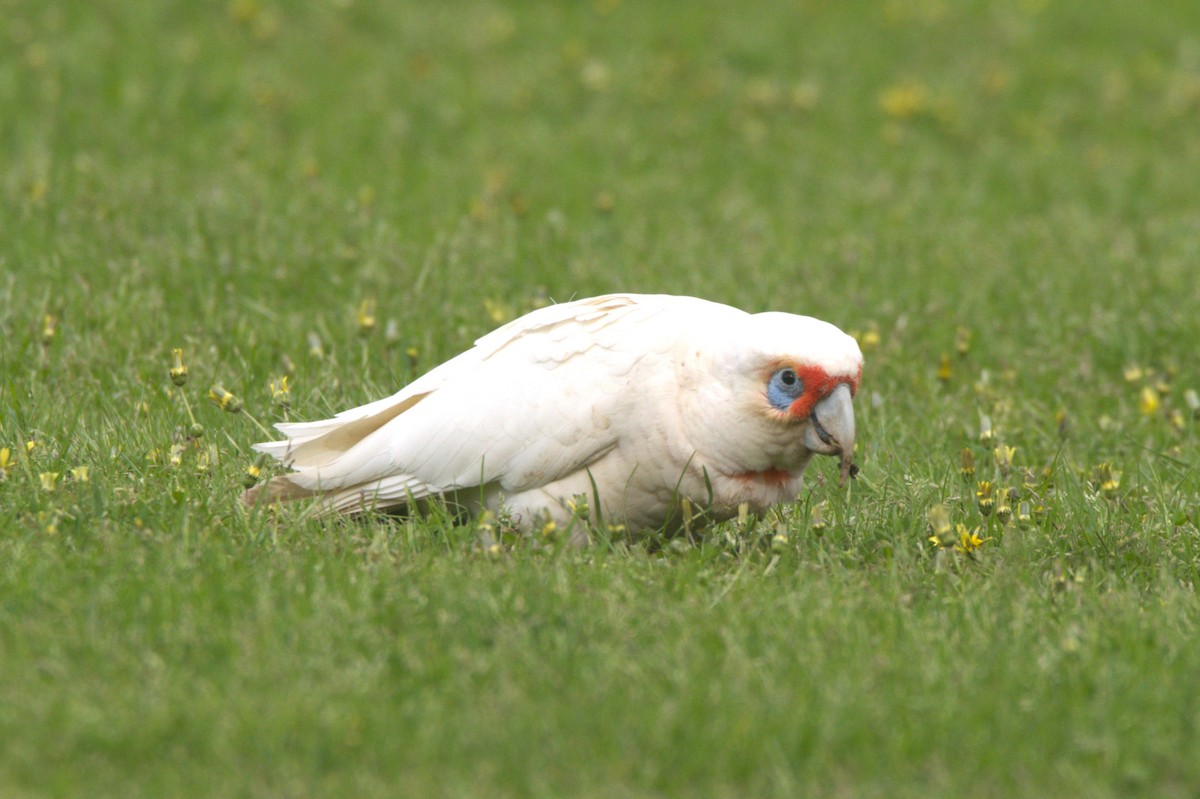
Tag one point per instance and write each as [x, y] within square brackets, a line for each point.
[783, 388]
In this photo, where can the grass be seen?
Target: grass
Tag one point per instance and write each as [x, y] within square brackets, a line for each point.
[997, 198]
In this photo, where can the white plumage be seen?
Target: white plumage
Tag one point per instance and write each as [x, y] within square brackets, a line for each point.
[634, 401]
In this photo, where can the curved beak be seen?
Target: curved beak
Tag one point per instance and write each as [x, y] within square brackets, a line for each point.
[831, 429]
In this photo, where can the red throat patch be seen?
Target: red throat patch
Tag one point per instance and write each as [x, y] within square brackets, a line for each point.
[773, 476]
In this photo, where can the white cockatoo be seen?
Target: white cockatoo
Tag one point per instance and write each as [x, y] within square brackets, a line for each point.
[634, 402]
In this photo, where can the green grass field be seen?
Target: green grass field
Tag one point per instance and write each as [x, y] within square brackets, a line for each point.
[1000, 199]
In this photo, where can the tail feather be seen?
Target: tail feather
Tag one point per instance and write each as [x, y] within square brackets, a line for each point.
[303, 452]
[313, 451]
[396, 491]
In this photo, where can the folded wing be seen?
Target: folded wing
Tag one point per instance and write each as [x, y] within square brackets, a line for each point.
[531, 402]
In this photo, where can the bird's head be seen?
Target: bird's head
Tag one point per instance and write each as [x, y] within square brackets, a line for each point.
[774, 391]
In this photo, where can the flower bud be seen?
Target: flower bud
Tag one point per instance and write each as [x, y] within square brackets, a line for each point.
[962, 340]
[49, 329]
[1192, 400]
[818, 518]
[315, 349]
[281, 392]
[179, 371]
[224, 399]
[986, 498]
[1004, 457]
[967, 469]
[254, 472]
[986, 433]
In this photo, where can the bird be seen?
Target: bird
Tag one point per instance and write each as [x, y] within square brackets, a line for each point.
[656, 409]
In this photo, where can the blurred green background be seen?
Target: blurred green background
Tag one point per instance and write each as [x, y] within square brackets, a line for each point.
[999, 199]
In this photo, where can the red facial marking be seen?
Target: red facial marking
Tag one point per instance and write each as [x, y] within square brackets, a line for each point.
[818, 384]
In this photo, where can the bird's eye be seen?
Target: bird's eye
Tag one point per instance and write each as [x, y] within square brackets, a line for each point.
[784, 387]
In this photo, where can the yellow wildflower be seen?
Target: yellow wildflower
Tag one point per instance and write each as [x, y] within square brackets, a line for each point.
[904, 100]
[38, 188]
[366, 317]
[5, 461]
[244, 11]
[944, 371]
[499, 312]
[962, 340]
[80, 474]
[870, 339]
[1133, 373]
[49, 328]
[1148, 402]
[968, 540]
[579, 506]
[49, 481]
[1106, 478]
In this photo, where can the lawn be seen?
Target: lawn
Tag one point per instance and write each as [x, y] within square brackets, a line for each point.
[999, 199]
